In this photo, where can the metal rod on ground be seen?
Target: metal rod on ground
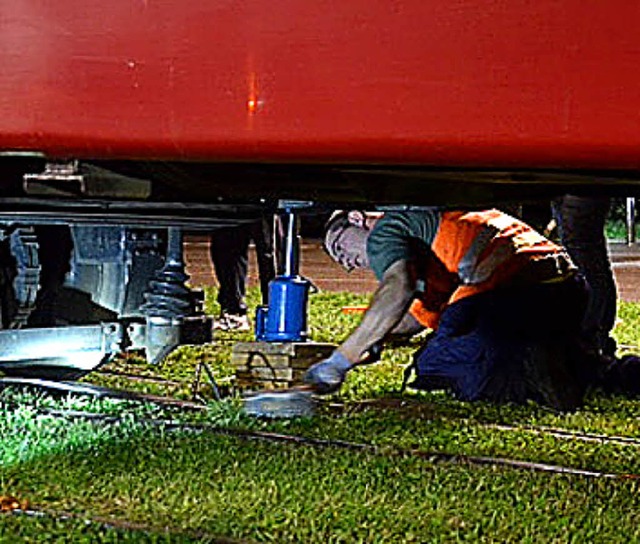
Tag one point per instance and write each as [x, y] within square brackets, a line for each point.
[195, 386]
[212, 381]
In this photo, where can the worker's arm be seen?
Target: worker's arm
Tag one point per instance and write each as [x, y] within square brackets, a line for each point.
[409, 326]
[388, 306]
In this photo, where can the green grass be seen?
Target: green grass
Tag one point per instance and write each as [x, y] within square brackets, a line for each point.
[269, 492]
[616, 230]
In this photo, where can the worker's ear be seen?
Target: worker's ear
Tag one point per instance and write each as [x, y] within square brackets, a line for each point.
[357, 218]
[362, 219]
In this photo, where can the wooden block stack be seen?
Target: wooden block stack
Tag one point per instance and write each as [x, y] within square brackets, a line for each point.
[275, 365]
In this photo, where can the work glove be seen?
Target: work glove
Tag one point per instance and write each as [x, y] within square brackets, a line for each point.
[328, 375]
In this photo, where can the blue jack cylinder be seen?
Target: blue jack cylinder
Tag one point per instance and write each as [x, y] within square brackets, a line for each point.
[285, 318]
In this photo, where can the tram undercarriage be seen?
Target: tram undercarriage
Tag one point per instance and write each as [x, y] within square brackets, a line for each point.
[91, 260]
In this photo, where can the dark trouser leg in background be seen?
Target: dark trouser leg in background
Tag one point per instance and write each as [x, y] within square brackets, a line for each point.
[581, 223]
[262, 233]
[229, 255]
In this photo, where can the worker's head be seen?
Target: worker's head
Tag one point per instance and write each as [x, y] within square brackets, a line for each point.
[345, 238]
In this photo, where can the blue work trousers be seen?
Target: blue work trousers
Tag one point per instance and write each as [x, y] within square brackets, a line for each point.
[511, 345]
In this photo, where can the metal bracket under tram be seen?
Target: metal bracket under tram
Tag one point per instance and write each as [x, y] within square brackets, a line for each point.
[67, 353]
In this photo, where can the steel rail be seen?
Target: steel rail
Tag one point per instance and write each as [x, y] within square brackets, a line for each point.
[104, 392]
[567, 434]
[101, 392]
[434, 457]
[430, 456]
[121, 525]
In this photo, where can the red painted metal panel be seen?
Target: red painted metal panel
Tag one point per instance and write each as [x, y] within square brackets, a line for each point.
[439, 82]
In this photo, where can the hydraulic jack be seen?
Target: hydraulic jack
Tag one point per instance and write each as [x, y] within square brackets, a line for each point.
[285, 318]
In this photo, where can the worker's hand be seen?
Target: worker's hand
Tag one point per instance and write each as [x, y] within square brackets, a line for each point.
[328, 375]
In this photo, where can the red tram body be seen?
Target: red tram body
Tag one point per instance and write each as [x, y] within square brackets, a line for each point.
[438, 82]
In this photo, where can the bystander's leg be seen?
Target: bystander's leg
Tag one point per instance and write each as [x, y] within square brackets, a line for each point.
[262, 233]
[581, 221]
[229, 255]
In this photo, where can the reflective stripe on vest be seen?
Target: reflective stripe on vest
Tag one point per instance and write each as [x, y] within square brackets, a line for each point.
[477, 265]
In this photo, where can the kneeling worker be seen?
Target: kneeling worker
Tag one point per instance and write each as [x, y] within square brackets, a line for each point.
[504, 302]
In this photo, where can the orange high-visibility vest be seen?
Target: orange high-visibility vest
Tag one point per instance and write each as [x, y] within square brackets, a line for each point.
[483, 251]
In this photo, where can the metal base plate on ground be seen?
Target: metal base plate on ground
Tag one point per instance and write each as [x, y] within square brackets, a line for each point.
[286, 403]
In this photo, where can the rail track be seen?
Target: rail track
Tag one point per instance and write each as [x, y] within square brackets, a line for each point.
[124, 526]
[173, 425]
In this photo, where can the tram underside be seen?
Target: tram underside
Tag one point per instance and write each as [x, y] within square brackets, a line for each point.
[91, 254]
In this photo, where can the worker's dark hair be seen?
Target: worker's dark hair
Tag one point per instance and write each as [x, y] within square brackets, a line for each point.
[337, 223]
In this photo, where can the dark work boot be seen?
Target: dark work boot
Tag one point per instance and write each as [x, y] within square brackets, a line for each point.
[552, 378]
[622, 376]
